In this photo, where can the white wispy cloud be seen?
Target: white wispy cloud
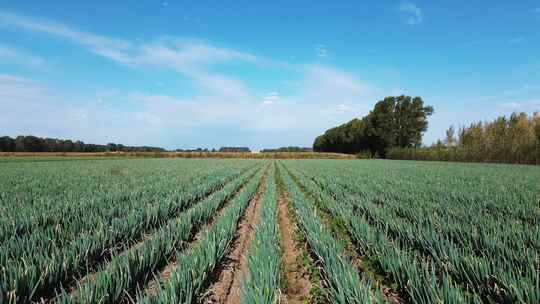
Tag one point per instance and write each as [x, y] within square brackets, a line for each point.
[325, 96]
[414, 14]
[507, 95]
[535, 10]
[192, 58]
[10, 54]
[227, 87]
[180, 52]
[18, 89]
[94, 119]
[271, 98]
[296, 112]
[188, 53]
[323, 82]
[101, 45]
[526, 106]
[32, 107]
[189, 57]
[343, 109]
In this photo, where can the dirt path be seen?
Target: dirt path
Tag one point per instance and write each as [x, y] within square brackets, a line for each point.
[227, 287]
[298, 284]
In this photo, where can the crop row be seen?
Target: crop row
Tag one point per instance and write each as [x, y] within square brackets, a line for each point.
[455, 268]
[343, 281]
[414, 277]
[128, 272]
[261, 284]
[195, 264]
[39, 272]
[149, 211]
[42, 199]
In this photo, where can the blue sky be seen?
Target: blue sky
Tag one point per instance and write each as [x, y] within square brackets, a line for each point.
[260, 74]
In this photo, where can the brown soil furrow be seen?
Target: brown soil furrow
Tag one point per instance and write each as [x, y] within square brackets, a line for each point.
[357, 258]
[163, 275]
[298, 284]
[227, 285]
[390, 295]
[165, 272]
[122, 248]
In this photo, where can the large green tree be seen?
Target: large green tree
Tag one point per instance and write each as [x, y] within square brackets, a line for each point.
[36, 144]
[396, 121]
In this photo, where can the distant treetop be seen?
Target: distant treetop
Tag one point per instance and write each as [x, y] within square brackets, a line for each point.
[396, 121]
[234, 149]
[37, 144]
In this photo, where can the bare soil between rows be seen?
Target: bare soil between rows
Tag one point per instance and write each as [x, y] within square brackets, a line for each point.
[226, 285]
[298, 283]
[165, 273]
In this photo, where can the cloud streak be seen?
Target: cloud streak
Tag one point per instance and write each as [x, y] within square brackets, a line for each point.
[18, 89]
[325, 96]
[101, 45]
[271, 98]
[414, 14]
[10, 55]
[166, 120]
[526, 106]
[192, 58]
[189, 57]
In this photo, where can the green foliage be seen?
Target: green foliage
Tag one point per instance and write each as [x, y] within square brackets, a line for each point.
[97, 231]
[264, 259]
[234, 150]
[62, 220]
[317, 293]
[131, 270]
[187, 280]
[507, 140]
[394, 122]
[344, 283]
[37, 144]
[441, 233]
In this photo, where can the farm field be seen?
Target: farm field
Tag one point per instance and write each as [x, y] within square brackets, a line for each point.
[268, 231]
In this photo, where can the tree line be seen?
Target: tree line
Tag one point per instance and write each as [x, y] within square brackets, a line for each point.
[288, 149]
[234, 149]
[395, 121]
[513, 139]
[30, 143]
[37, 144]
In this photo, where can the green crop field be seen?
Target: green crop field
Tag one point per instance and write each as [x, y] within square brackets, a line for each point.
[121, 230]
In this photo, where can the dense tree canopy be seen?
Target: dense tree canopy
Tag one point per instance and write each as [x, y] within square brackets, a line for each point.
[234, 149]
[36, 144]
[394, 122]
[513, 139]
